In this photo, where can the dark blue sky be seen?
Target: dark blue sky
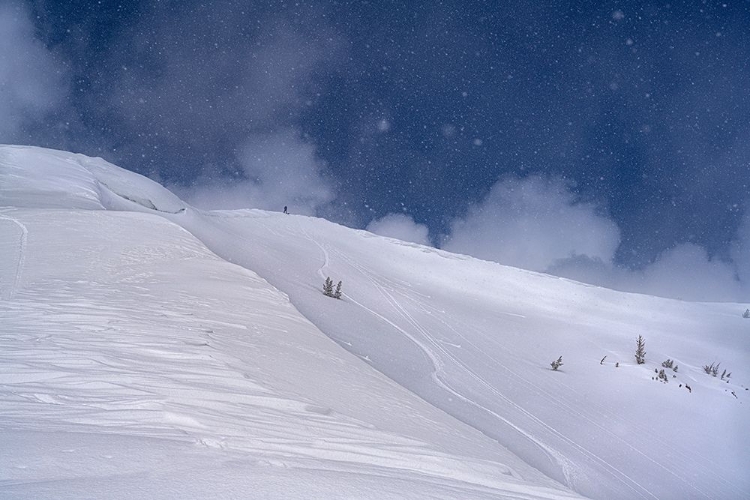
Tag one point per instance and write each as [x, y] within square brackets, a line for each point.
[638, 110]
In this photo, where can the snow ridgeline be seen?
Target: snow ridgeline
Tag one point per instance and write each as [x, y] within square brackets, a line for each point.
[472, 338]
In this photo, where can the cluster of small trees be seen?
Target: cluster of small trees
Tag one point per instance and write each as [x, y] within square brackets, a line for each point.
[661, 375]
[670, 364]
[640, 357]
[329, 291]
[713, 370]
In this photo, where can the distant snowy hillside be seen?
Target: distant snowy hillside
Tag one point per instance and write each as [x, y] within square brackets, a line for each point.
[125, 327]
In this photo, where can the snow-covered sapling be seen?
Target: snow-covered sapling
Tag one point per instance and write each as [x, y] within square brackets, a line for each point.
[746, 314]
[557, 364]
[640, 350]
[337, 293]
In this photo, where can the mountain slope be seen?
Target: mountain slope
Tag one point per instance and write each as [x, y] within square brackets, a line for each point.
[476, 339]
[138, 363]
[472, 338]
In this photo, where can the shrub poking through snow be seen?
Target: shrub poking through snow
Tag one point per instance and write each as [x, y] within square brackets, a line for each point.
[337, 292]
[640, 350]
[663, 376]
[557, 364]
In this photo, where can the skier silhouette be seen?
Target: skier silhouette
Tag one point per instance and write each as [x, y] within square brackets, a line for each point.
[285, 210]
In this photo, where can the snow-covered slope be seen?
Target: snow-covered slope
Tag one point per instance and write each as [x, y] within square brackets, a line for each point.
[138, 364]
[476, 339]
[124, 326]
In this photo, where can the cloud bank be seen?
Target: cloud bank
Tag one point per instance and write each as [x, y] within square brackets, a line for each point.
[538, 224]
[401, 227]
[532, 223]
[276, 170]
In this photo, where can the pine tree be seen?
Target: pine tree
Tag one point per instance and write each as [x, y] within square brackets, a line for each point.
[337, 293]
[746, 314]
[328, 287]
[640, 351]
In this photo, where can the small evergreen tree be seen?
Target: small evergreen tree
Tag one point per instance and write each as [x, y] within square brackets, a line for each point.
[746, 314]
[640, 350]
[337, 293]
[557, 364]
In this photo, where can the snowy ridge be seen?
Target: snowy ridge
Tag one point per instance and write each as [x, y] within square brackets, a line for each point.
[124, 324]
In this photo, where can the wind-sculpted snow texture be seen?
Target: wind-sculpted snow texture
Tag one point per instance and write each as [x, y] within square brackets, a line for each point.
[133, 357]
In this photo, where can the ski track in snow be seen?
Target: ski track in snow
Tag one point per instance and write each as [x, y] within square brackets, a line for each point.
[439, 363]
[326, 256]
[13, 288]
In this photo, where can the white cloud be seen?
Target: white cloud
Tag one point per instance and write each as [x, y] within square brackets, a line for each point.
[533, 223]
[402, 227]
[279, 169]
[32, 81]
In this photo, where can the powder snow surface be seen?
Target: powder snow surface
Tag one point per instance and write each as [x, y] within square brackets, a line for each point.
[151, 350]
